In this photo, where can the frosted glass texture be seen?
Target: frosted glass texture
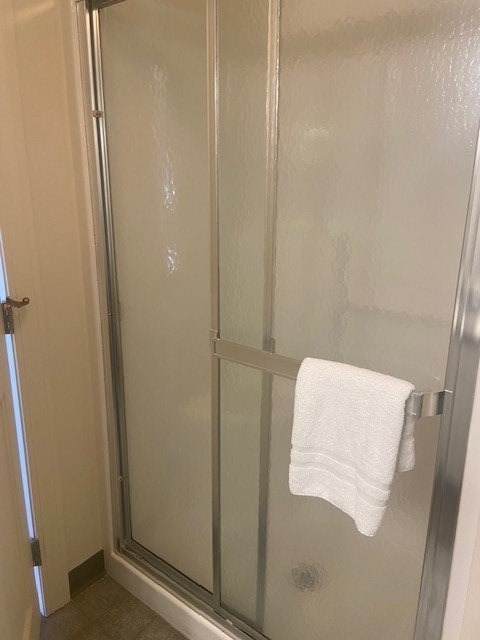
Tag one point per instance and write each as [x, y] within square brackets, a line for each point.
[323, 578]
[377, 123]
[242, 156]
[326, 580]
[155, 76]
[378, 117]
[240, 407]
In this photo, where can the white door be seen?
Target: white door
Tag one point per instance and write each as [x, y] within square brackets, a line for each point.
[19, 617]
[23, 207]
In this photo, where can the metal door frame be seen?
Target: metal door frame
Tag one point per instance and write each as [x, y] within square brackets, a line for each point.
[461, 373]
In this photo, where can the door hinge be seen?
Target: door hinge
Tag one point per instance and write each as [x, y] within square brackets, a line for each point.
[8, 325]
[36, 553]
[7, 311]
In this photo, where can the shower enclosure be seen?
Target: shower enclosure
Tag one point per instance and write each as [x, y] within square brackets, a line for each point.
[285, 177]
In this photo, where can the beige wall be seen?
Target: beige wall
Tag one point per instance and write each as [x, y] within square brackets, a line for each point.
[41, 60]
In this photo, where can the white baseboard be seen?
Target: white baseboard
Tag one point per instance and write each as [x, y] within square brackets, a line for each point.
[186, 620]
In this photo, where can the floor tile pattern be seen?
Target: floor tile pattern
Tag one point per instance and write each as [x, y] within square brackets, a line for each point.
[106, 611]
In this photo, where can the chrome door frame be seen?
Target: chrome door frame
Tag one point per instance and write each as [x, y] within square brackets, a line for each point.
[125, 544]
[461, 373]
[461, 378]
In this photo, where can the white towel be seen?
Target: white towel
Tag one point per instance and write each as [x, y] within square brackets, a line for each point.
[350, 433]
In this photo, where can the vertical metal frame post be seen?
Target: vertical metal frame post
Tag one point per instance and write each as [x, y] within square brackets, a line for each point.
[115, 347]
[212, 73]
[461, 376]
[268, 340]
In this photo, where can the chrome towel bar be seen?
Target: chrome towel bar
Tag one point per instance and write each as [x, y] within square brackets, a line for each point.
[421, 405]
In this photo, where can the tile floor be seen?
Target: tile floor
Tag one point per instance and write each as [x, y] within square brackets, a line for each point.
[106, 611]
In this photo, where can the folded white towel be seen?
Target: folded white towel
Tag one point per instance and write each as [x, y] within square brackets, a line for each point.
[350, 433]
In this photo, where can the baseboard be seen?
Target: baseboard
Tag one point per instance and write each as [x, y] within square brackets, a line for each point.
[192, 624]
[86, 573]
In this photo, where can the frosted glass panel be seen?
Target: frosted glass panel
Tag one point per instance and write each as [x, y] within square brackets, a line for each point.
[324, 579]
[378, 118]
[242, 83]
[240, 406]
[154, 64]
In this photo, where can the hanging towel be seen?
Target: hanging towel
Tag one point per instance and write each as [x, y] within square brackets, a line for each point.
[350, 434]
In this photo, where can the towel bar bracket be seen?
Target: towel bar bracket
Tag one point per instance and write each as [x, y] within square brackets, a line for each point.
[428, 403]
[421, 405]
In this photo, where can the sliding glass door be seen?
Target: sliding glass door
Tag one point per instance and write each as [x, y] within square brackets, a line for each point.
[375, 137]
[154, 57]
[285, 177]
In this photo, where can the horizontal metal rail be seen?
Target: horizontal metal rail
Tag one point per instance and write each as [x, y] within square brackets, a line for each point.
[423, 404]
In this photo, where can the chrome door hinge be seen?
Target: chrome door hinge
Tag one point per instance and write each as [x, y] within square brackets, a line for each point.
[36, 553]
[7, 311]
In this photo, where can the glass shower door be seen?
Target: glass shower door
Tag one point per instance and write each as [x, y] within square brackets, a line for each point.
[329, 147]
[374, 135]
[154, 62]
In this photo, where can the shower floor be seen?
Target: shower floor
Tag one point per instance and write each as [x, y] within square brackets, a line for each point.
[106, 611]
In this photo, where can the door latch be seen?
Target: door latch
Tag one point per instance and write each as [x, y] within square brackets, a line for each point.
[7, 311]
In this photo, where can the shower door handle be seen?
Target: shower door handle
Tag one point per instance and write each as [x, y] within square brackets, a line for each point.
[7, 312]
